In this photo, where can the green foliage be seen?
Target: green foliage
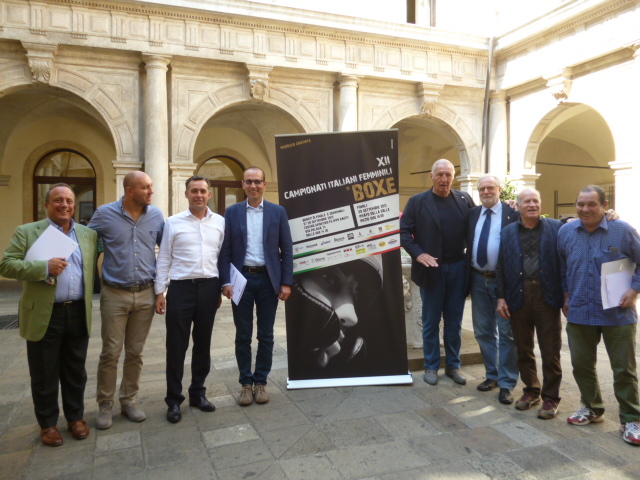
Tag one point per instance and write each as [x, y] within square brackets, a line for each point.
[508, 191]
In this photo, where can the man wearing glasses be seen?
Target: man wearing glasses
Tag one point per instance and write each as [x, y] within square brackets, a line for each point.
[258, 243]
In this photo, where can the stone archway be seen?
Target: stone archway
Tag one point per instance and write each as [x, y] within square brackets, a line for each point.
[37, 121]
[443, 121]
[245, 133]
[569, 148]
[229, 96]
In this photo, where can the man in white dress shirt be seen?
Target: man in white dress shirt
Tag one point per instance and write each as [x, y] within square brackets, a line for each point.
[188, 255]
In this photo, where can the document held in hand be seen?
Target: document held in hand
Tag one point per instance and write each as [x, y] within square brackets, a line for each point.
[238, 282]
[615, 281]
[51, 244]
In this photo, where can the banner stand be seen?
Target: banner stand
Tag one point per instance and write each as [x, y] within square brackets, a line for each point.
[348, 382]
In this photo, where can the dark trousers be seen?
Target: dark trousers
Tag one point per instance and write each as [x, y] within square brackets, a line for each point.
[59, 358]
[444, 301]
[258, 292]
[620, 342]
[537, 315]
[189, 302]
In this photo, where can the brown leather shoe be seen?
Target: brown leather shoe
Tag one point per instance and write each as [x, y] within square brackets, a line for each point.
[260, 394]
[79, 429]
[246, 396]
[51, 436]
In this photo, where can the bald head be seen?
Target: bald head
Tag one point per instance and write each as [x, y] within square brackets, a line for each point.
[138, 189]
[131, 178]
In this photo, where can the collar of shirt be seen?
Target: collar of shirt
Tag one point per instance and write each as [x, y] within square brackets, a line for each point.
[259, 207]
[208, 215]
[603, 224]
[73, 226]
[496, 209]
[124, 212]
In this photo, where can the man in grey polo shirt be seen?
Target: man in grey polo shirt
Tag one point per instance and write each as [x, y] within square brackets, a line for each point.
[130, 229]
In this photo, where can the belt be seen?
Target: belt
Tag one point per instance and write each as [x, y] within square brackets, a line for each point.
[68, 303]
[194, 280]
[250, 269]
[485, 274]
[132, 289]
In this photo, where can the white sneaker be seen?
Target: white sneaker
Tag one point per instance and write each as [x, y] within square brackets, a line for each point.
[631, 433]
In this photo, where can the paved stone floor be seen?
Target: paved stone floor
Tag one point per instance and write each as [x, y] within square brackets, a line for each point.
[409, 432]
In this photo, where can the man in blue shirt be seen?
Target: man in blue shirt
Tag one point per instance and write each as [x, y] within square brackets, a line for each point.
[583, 247]
[130, 229]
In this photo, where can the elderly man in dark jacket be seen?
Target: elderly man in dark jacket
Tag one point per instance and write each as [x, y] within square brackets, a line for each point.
[529, 292]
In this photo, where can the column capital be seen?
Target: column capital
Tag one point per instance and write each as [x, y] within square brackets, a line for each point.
[185, 170]
[348, 80]
[153, 60]
[468, 183]
[498, 97]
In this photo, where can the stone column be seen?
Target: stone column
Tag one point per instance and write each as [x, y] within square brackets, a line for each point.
[348, 102]
[156, 133]
[498, 148]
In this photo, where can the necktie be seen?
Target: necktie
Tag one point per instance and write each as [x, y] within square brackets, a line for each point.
[481, 256]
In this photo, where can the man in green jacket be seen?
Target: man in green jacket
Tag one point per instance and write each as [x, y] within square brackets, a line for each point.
[55, 314]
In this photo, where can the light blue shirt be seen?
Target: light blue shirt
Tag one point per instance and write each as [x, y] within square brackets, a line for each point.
[254, 256]
[70, 283]
[129, 246]
[493, 246]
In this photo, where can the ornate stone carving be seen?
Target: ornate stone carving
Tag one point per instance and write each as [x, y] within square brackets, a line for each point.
[258, 89]
[559, 84]
[40, 59]
[429, 93]
[258, 81]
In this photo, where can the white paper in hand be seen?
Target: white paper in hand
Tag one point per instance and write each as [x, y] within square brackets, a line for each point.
[239, 282]
[51, 244]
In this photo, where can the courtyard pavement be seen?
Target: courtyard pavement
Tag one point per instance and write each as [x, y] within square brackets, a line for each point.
[414, 431]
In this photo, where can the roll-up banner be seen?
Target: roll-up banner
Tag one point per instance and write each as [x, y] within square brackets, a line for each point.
[345, 317]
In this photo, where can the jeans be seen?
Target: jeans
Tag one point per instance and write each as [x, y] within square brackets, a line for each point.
[258, 291]
[445, 300]
[493, 333]
[620, 344]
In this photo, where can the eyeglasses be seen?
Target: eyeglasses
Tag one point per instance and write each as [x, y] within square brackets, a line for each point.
[257, 183]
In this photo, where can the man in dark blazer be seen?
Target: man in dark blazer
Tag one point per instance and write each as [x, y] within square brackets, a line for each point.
[258, 243]
[55, 314]
[433, 231]
[529, 291]
[493, 333]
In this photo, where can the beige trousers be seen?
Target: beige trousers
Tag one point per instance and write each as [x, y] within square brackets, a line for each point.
[126, 320]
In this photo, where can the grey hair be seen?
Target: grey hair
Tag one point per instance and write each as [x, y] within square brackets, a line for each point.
[522, 192]
[442, 161]
[496, 179]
